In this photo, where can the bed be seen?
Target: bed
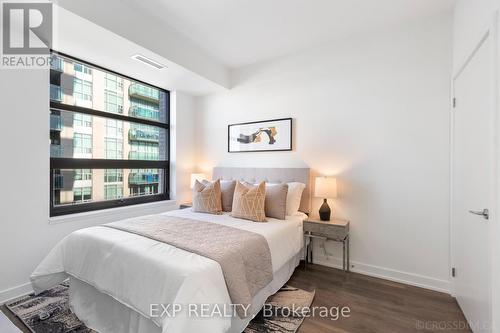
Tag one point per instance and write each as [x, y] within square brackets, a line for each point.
[119, 279]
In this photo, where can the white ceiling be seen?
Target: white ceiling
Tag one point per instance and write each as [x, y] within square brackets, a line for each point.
[242, 32]
[201, 41]
[84, 39]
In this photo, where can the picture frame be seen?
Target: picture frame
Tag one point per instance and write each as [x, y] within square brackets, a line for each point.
[260, 136]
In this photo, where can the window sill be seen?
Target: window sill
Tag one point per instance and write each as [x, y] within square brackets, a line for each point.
[118, 213]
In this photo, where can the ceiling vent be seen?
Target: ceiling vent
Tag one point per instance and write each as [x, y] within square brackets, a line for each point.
[147, 61]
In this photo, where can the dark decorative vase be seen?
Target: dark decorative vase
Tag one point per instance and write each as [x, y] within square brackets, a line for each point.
[324, 211]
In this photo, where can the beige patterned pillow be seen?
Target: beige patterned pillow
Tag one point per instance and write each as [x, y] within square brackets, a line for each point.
[207, 197]
[248, 202]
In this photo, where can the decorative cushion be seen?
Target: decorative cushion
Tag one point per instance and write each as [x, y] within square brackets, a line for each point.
[248, 202]
[275, 204]
[207, 197]
[227, 190]
[293, 198]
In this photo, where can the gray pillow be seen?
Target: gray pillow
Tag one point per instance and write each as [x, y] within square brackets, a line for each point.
[227, 193]
[275, 204]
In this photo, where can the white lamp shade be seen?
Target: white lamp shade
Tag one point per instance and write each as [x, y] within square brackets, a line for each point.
[197, 177]
[325, 187]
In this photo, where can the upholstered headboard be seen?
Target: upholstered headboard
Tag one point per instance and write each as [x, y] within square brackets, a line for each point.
[272, 175]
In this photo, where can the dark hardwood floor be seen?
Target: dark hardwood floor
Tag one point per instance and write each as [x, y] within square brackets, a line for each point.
[14, 319]
[375, 305]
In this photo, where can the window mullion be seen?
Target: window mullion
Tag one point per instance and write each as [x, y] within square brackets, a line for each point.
[80, 109]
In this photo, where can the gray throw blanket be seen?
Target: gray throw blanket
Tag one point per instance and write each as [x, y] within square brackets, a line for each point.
[244, 256]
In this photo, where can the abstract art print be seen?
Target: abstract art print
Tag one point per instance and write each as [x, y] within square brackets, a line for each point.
[267, 135]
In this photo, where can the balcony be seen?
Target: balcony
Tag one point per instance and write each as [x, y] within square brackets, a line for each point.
[143, 135]
[144, 92]
[143, 178]
[56, 63]
[55, 122]
[55, 93]
[55, 151]
[145, 113]
[58, 182]
[139, 155]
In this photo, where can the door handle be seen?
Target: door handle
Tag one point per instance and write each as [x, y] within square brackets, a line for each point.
[484, 213]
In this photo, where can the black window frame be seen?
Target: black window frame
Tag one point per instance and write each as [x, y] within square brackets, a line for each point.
[78, 163]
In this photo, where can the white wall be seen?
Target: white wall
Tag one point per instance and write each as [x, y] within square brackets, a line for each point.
[374, 111]
[472, 19]
[183, 150]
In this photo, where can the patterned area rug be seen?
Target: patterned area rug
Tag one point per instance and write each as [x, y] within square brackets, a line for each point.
[280, 305]
[49, 312]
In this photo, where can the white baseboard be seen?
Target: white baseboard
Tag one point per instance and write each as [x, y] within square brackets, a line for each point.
[390, 274]
[21, 290]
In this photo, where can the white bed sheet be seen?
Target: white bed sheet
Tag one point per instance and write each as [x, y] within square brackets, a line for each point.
[138, 271]
[104, 314]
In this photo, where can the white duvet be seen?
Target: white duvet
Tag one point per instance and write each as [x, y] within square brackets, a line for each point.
[138, 271]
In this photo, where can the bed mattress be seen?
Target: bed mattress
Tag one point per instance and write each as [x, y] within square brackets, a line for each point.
[127, 273]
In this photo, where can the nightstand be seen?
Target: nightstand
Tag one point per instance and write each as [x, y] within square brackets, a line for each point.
[335, 230]
[186, 205]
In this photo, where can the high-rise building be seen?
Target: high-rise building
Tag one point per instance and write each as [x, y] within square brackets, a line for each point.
[84, 136]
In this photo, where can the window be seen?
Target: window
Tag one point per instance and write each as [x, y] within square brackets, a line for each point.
[113, 102]
[82, 194]
[144, 133]
[82, 120]
[83, 174]
[144, 151]
[143, 109]
[103, 155]
[114, 128]
[82, 144]
[113, 176]
[113, 192]
[114, 148]
[105, 185]
[114, 82]
[114, 139]
[82, 68]
[55, 133]
[82, 89]
[143, 190]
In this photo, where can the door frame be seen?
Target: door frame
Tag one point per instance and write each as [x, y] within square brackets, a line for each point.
[492, 35]
[495, 226]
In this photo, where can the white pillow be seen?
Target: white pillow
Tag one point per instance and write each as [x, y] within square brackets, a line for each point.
[293, 197]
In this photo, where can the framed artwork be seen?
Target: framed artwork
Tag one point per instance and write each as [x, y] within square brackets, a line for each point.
[266, 135]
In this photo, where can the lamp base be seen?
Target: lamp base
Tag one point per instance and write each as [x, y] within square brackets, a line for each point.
[324, 211]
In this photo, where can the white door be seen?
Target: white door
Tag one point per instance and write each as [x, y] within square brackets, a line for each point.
[471, 183]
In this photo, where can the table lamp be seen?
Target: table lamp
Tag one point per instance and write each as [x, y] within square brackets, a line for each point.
[326, 188]
[197, 177]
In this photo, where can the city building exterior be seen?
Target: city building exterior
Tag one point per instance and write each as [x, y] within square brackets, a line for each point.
[84, 136]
